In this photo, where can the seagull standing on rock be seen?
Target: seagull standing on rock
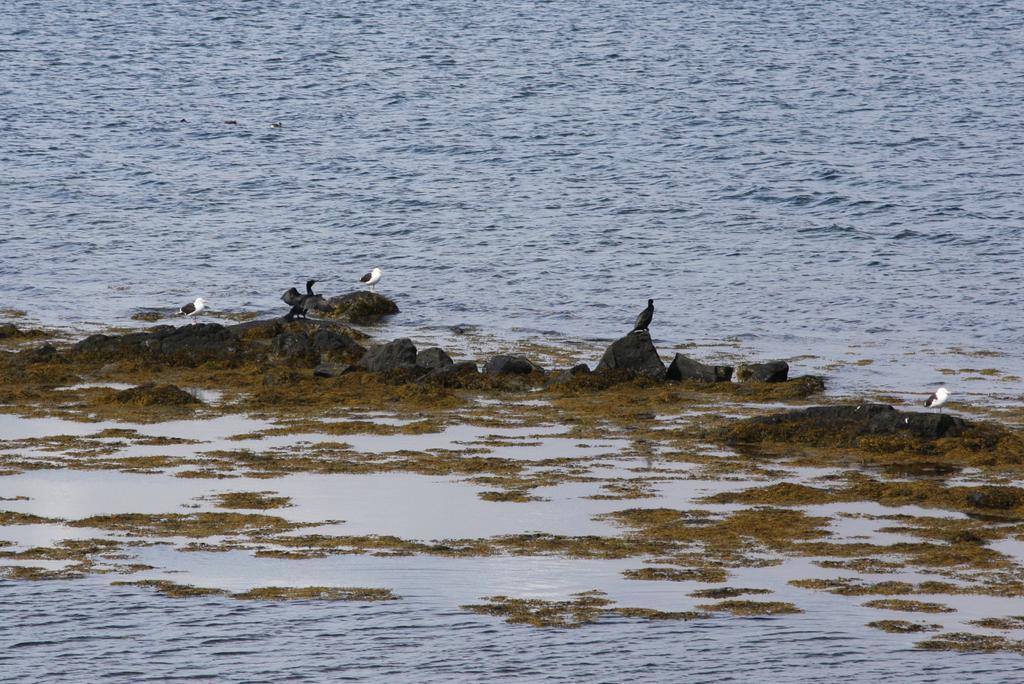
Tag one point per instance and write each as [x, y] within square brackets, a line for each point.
[937, 399]
[193, 309]
[643, 321]
[371, 278]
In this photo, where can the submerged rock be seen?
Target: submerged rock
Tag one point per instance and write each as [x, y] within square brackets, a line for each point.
[395, 355]
[510, 364]
[771, 371]
[332, 370]
[839, 425]
[361, 307]
[635, 353]
[433, 358]
[685, 368]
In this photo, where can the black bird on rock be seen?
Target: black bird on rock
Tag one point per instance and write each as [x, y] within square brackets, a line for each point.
[643, 321]
[301, 303]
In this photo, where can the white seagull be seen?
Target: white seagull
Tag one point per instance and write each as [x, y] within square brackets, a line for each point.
[193, 309]
[372, 278]
[937, 399]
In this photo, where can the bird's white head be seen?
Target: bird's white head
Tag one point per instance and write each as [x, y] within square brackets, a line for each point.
[376, 272]
[200, 302]
[942, 394]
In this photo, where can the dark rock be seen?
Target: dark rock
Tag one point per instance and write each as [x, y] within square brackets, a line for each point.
[460, 374]
[772, 371]
[836, 425]
[155, 395]
[187, 345]
[336, 345]
[506, 364]
[42, 354]
[361, 307]
[994, 497]
[9, 330]
[570, 374]
[433, 358]
[685, 368]
[391, 356]
[635, 353]
[294, 347]
[332, 370]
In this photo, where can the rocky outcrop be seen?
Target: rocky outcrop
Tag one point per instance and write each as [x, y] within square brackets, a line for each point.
[634, 353]
[845, 425]
[462, 374]
[294, 348]
[509, 364]
[433, 358]
[361, 307]
[334, 345]
[187, 345]
[771, 371]
[684, 368]
[395, 355]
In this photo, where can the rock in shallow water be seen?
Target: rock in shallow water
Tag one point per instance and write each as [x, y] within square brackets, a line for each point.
[361, 307]
[188, 344]
[507, 364]
[635, 353]
[685, 368]
[837, 425]
[771, 371]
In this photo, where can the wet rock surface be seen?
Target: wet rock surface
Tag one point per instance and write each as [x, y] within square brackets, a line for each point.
[156, 395]
[510, 364]
[188, 344]
[846, 423]
[399, 354]
[684, 368]
[635, 353]
[461, 374]
[570, 374]
[433, 358]
[362, 307]
[771, 371]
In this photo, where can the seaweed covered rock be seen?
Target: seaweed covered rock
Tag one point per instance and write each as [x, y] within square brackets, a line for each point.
[771, 371]
[510, 364]
[294, 347]
[333, 344]
[570, 374]
[995, 497]
[359, 307]
[434, 358]
[155, 395]
[684, 368]
[463, 374]
[188, 345]
[635, 353]
[395, 355]
[844, 425]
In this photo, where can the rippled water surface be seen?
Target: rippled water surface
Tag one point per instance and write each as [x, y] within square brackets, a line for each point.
[850, 172]
[804, 178]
